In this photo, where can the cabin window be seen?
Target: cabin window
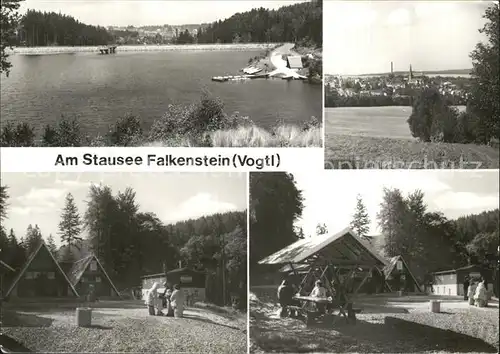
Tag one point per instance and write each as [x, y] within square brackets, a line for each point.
[97, 279]
[83, 280]
[93, 266]
[51, 275]
[29, 275]
[36, 274]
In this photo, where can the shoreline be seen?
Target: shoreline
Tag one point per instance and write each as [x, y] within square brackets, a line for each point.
[142, 48]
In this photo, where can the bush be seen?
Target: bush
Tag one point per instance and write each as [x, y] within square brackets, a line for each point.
[126, 132]
[19, 135]
[66, 134]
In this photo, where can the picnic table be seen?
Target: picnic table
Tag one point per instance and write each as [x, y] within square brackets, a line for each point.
[312, 313]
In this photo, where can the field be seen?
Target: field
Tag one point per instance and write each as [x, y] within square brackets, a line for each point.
[124, 327]
[385, 325]
[379, 137]
[142, 48]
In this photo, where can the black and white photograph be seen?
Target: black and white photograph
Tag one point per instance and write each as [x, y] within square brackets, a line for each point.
[161, 73]
[411, 84]
[374, 262]
[117, 263]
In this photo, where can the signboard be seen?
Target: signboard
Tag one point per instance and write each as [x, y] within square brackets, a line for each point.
[399, 265]
[185, 279]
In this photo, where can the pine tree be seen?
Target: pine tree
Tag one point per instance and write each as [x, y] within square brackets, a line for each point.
[70, 225]
[52, 245]
[321, 229]
[32, 239]
[361, 221]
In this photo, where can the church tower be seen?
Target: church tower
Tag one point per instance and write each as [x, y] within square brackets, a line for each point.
[410, 76]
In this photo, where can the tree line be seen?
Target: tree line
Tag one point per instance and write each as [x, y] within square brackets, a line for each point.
[131, 243]
[40, 29]
[295, 23]
[427, 240]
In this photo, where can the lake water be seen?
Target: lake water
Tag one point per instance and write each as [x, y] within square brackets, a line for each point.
[99, 89]
[382, 122]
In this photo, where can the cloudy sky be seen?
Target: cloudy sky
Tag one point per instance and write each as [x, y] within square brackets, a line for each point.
[38, 198]
[363, 37]
[148, 12]
[330, 197]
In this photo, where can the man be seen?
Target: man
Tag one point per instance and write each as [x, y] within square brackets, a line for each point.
[285, 297]
[466, 287]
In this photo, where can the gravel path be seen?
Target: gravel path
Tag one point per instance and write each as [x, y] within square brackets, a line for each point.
[384, 326]
[128, 330]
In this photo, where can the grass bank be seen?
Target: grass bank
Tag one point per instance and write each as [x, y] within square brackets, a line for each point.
[201, 124]
[362, 152]
[141, 48]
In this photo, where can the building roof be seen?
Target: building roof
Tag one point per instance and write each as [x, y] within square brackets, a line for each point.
[474, 266]
[157, 275]
[184, 270]
[294, 62]
[28, 263]
[80, 266]
[5, 266]
[342, 248]
[389, 268]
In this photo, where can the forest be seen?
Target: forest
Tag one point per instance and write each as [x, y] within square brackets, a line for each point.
[427, 240]
[295, 23]
[42, 29]
[131, 243]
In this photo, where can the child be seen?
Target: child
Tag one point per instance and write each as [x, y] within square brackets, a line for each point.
[152, 298]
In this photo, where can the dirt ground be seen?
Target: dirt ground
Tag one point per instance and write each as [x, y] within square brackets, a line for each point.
[125, 327]
[385, 325]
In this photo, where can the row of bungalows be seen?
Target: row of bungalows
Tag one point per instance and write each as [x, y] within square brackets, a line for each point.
[43, 276]
[374, 273]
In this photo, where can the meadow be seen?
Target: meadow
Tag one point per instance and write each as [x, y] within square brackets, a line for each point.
[379, 137]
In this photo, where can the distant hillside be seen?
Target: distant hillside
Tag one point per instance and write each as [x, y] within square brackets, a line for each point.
[298, 23]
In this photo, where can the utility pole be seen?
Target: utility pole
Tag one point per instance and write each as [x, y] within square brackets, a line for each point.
[223, 272]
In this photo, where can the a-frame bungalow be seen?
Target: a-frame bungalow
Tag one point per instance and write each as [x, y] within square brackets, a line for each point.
[87, 271]
[399, 276]
[41, 276]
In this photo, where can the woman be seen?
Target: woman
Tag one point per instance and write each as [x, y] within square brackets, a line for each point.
[177, 300]
[320, 292]
[481, 295]
[152, 299]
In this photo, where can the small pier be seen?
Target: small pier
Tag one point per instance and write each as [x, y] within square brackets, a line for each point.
[239, 77]
[108, 50]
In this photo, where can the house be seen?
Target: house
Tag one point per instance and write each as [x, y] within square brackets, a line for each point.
[399, 276]
[149, 280]
[294, 62]
[451, 282]
[191, 281]
[89, 271]
[41, 276]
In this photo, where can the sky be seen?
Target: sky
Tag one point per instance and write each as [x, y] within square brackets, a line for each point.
[362, 37]
[330, 197]
[38, 198]
[148, 12]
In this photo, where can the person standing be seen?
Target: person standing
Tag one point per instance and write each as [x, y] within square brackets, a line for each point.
[177, 301]
[152, 298]
[466, 287]
[285, 297]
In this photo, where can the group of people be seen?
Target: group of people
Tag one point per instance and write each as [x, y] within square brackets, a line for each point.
[476, 292]
[171, 299]
[286, 293]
